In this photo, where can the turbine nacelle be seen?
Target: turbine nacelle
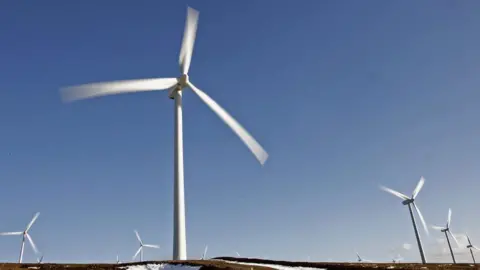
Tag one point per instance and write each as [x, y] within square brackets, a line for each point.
[408, 201]
[182, 83]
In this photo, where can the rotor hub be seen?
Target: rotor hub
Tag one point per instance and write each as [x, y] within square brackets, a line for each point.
[182, 81]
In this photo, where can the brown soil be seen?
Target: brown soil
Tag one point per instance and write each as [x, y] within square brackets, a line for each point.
[222, 265]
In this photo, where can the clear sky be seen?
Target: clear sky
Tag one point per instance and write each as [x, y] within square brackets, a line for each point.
[344, 95]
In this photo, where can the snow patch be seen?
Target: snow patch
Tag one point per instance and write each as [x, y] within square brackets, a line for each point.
[166, 266]
[279, 267]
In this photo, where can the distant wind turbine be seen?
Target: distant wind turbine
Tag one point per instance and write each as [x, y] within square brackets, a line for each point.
[175, 87]
[397, 259]
[360, 259]
[40, 259]
[411, 201]
[205, 252]
[118, 260]
[470, 247]
[25, 235]
[447, 231]
[238, 254]
[142, 245]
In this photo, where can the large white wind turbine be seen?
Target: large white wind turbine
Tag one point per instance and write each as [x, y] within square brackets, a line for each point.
[140, 249]
[175, 87]
[25, 235]
[470, 247]
[409, 201]
[447, 231]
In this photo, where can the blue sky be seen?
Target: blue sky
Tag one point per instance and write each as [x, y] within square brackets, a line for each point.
[344, 95]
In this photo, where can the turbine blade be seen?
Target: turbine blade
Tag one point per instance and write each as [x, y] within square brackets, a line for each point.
[421, 219]
[34, 247]
[418, 187]
[136, 253]
[454, 238]
[91, 90]
[33, 221]
[449, 219]
[138, 237]
[205, 252]
[396, 193]
[475, 247]
[188, 41]
[437, 227]
[152, 246]
[11, 233]
[251, 143]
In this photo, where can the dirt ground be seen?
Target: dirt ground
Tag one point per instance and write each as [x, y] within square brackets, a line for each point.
[222, 265]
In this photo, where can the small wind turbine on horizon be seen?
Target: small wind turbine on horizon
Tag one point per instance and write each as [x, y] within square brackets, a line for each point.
[40, 259]
[140, 249]
[360, 259]
[397, 259]
[409, 202]
[447, 231]
[204, 252]
[470, 246]
[25, 235]
[175, 87]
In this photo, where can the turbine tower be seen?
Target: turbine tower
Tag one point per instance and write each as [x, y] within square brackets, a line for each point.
[447, 231]
[140, 249]
[409, 202]
[470, 246]
[25, 235]
[175, 87]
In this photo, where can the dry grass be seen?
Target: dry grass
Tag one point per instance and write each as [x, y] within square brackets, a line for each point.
[338, 266]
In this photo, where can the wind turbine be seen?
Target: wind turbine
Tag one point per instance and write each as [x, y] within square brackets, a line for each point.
[447, 231]
[397, 259]
[205, 252]
[140, 249]
[25, 235]
[40, 259]
[118, 260]
[175, 87]
[409, 202]
[359, 259]
[470, 246]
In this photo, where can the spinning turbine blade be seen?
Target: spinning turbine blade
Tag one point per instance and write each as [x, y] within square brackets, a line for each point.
[396, 193]
[138, 237]
[449, 219]
[33, 221]
[188, 40]
[11, 233]
[251, 143]
[454, 238]
[418, 187]
[32, 243]
[92, 90]
[421, 218]
[136, 253]
[152, 246]
[437, 227]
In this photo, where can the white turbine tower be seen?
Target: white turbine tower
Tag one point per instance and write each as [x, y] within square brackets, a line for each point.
[447, 231]
[140, 249]
[175, 87]
[25, 235]
[409, 201]
[470, 247]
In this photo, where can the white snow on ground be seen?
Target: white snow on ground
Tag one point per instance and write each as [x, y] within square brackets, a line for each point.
[279, 267]
[157, 266]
